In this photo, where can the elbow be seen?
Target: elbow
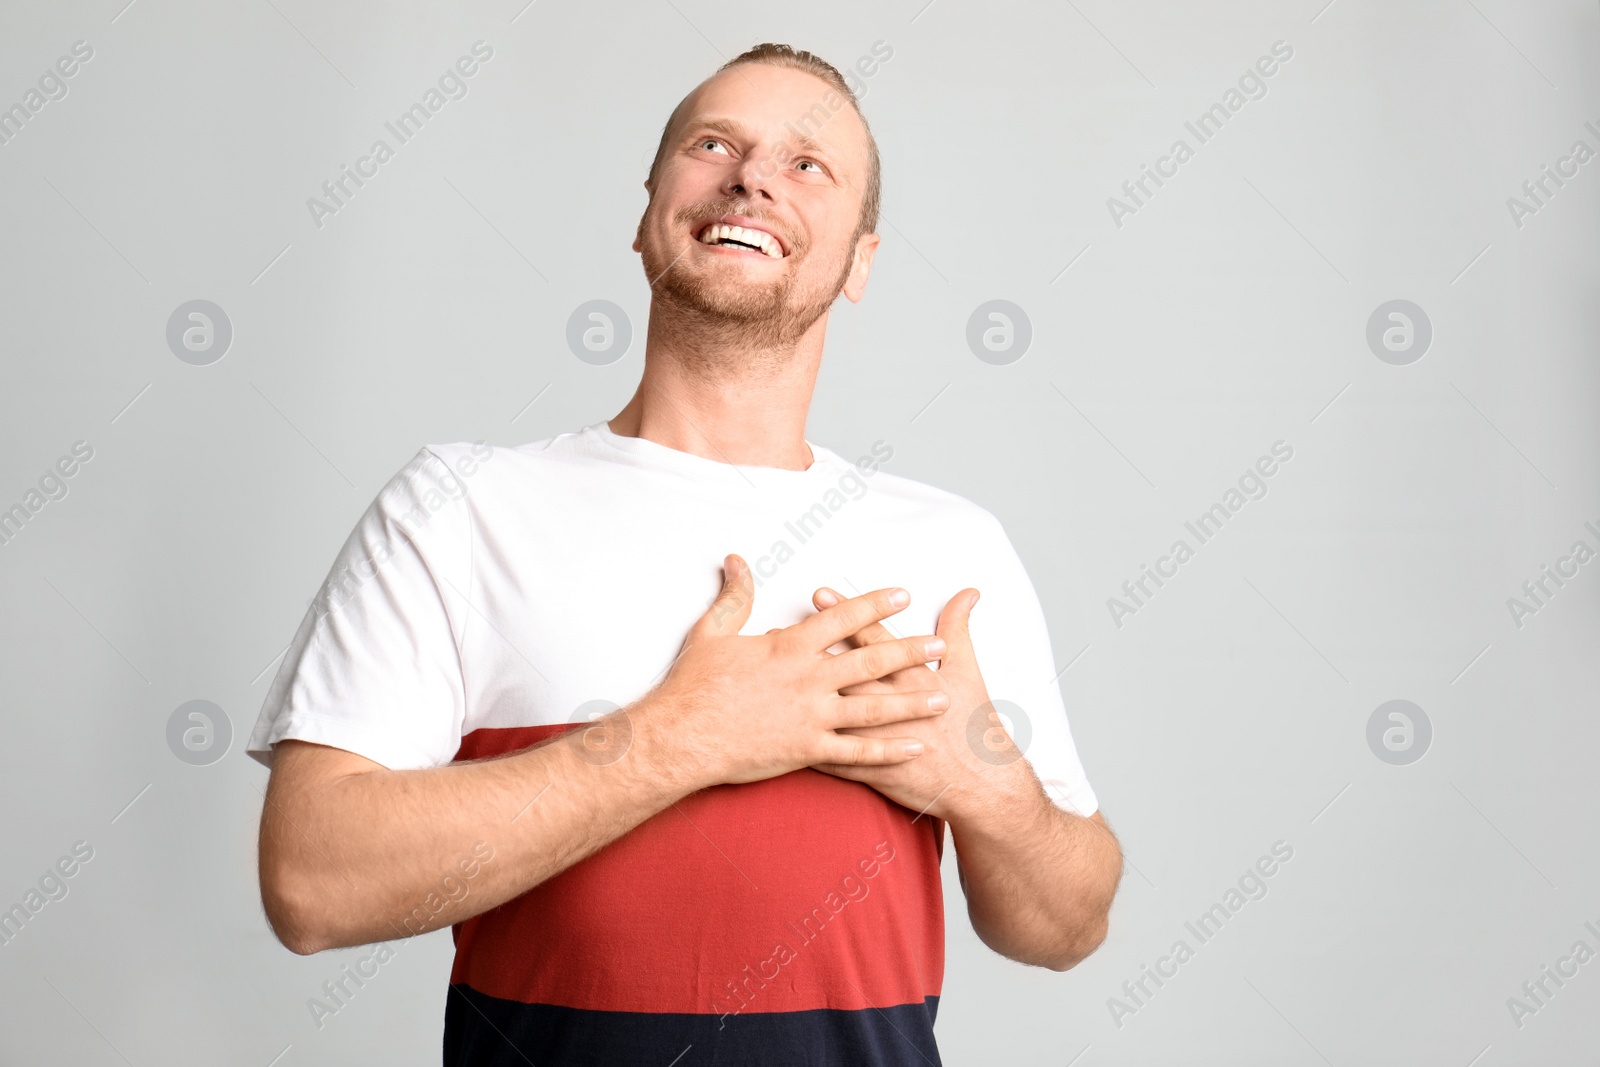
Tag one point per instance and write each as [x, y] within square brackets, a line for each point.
[299, 942]
[1090, 932]
[1082, 947]
[1071, 948]
[293, 921]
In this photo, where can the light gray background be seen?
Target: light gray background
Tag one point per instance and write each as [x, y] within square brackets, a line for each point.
[1228, 313]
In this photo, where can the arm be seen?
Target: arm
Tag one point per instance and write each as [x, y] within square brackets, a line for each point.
[1039, 880]
[352, 852]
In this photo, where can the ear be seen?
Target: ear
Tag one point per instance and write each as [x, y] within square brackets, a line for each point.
[638, 233]
[855, 286]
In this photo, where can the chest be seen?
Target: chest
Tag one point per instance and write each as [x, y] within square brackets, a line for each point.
[569, 620]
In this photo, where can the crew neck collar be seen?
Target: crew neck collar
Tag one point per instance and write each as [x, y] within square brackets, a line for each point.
[646, 452]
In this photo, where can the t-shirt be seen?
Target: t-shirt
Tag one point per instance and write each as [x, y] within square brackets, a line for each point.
[492, 597]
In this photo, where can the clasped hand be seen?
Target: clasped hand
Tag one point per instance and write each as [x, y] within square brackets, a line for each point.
[745, 708]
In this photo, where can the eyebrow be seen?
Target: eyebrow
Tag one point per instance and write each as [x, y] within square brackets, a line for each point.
[730, 128]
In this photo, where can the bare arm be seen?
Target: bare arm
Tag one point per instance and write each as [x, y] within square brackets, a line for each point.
[352, 852]
[1039, 880]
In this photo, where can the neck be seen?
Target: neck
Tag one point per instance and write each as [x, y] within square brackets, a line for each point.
[743, 404]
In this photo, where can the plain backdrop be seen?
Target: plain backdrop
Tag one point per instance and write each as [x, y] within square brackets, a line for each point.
[1172, 345]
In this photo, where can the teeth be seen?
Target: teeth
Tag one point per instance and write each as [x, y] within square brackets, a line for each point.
[764, 241]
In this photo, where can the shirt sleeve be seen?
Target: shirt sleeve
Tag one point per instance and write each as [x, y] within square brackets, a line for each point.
[1012, 642]
[375, 666]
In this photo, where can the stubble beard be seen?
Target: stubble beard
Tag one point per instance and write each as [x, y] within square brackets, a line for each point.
[728, 327]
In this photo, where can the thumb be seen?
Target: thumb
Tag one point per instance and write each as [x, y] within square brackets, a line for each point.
[731, 609]
[953, 627]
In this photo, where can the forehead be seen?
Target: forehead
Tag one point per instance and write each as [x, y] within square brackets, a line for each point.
[779, 105]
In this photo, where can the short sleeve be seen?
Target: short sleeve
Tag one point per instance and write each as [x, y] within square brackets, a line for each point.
[1012, 642]
[375, 666]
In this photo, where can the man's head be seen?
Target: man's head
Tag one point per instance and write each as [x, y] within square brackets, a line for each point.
[773, 142]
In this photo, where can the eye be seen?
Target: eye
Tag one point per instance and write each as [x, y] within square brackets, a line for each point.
[704, 141]
[814, 163]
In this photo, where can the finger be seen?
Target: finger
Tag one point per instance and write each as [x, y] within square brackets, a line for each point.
[854, 751]
[832, 625]
[874, 709]
[880, 660]
[731, 609]
[869, 634]
[954, 626]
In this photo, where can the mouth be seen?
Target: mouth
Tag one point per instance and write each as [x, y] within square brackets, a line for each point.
[740, 236]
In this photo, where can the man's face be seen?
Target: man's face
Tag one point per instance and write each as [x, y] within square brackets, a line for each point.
[783, 153]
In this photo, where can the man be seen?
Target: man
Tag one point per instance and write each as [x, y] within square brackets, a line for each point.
[665, 830]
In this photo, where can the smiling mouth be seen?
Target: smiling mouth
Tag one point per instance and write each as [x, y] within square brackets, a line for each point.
[743, 238]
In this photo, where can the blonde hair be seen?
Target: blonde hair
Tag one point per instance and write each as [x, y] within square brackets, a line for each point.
[781, 55]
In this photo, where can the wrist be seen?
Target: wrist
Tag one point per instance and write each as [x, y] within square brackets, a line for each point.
[1000, 798]
[664, 743]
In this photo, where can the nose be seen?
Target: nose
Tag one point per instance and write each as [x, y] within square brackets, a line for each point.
[751, 177]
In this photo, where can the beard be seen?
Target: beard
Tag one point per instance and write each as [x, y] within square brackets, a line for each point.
[728, 321]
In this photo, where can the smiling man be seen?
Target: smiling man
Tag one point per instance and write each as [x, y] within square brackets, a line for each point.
[679, 809]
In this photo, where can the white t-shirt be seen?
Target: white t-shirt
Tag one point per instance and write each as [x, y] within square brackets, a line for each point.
[490, 587]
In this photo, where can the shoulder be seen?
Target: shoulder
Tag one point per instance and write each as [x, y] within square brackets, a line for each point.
[456, 467]
[914, 500]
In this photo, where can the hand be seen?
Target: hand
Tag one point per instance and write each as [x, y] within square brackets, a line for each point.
[968, 758]
[743, 708]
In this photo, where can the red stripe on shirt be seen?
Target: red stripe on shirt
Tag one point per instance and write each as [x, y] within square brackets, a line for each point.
[798, 892]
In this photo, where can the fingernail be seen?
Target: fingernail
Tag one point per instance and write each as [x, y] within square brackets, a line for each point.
[826, 597]
[912, 748]
[938, 701]
[933, 647]
[899, 598]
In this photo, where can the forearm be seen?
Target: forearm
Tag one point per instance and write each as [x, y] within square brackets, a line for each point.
[384, 854]
[1039, 880]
